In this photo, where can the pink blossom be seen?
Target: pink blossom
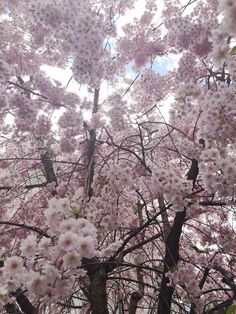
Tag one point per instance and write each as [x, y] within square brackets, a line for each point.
[71, 260]
[44, 246]
[68, 145]
[68, 241]
[36, 283]
[13, 265]
[86, 246]
[29, 246]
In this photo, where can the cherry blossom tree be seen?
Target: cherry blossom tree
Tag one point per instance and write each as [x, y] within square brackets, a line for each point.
[109, 204]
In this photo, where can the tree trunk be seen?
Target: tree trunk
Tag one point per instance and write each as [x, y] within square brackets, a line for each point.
[98, 294]
[170, 261]
[136, 296]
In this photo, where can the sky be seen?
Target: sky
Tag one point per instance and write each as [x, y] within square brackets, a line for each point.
[161, 64]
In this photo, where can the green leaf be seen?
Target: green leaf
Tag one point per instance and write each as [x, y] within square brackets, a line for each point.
[233, 50]
[231, 309]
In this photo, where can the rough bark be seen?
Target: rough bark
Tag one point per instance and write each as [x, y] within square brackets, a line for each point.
[49, 171]
[97, 289]
[164, 216]
[11, 308]
[136, 296]
[170, 261]
[24, 303]
[91, 151]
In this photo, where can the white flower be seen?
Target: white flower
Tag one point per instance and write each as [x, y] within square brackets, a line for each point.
[50, 214]
[68, 241]
[71, 259]
[86, 246]
[4, 297]
[85, 227]
[68, 225]
[56, 206]
[44, 246]
[111, 248]
[219, 54]
[51, 273]
[28, 246]
[36, 283]
[13, 265]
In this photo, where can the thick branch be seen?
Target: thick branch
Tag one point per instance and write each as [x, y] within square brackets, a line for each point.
[170, 261]
[24, 303]
[48, 168]
[97, 288]
[11, 308]
[136, 296]
[91, 151]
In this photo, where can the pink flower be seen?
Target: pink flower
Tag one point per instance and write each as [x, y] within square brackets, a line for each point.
[71, 260]
[70, 118]
[36, 283]
[68, 241]
[68, 145]
[44, 246]
[68, 225]
[86, 246]
[28, 246]
[13, 265]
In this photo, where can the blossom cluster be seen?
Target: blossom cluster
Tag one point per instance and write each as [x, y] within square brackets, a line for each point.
[49, 266]
[78, 30]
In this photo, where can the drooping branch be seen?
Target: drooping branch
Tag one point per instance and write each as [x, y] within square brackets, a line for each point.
[137, 295]
[137, 231]
[24, 226]
[27, 90]
[140, 244]
[201, 284]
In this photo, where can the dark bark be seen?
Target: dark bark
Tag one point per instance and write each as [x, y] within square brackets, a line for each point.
[170, 261]
[90, 165]
[97, 272]
[193, 171]
[27, 227]
[11, 308]
[24, 303]
[97, 288]
[91, 151]
[49, 171]
[136, 296]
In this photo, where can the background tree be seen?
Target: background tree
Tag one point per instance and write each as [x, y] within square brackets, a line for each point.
[108, 204]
